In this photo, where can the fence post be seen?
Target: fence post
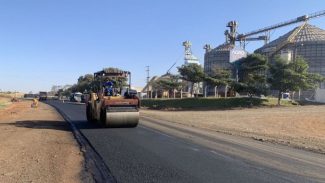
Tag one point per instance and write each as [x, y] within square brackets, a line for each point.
[226, 91]
[215, 91]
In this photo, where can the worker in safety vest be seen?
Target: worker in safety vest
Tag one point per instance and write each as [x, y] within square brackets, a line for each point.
[35, 103]
[108, 88]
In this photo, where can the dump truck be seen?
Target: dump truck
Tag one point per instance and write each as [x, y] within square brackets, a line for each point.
[114, 104]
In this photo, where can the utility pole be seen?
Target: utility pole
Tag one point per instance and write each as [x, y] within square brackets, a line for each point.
[148, 77]
[295, 58]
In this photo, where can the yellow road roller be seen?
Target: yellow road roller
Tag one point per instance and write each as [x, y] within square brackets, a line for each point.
[114, 104]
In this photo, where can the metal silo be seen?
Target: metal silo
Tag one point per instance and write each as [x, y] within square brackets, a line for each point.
[221, 57]
[307, 41]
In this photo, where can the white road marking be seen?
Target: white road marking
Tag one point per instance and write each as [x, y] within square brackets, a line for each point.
[188, 145]
[219, 154]
[195, 149]
[157, 132]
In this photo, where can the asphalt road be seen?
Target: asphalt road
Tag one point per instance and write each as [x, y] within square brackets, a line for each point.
[158, 151]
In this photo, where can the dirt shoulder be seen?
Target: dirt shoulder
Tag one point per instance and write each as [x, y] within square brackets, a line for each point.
[4, 102]
[38, 146]
[301, 127]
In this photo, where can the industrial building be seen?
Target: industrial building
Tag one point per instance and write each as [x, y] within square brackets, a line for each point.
[189, 58]
[221, 57]
[307, 41]
[217, 57]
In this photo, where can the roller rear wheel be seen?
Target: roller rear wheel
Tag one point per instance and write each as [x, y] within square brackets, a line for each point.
[89, 113]
[103, 118]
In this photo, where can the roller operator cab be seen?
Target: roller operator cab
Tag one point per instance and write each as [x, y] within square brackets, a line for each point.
[113, 104]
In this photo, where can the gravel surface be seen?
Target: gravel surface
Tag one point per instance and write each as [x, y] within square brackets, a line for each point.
[301, 127]
[37, 146]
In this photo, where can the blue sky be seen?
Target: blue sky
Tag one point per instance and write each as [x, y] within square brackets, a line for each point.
[53, 42]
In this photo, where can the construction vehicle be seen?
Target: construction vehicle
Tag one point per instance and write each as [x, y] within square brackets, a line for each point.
[42, 96]
[114, 104]
[76, 97]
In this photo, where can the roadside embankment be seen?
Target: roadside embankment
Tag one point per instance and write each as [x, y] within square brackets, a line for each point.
[301, 126]
[6, 98]
[38, 146]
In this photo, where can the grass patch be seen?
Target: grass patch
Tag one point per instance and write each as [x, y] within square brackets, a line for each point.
[304, 103]
[4, 102]
[274, 102]
[2, 105]
[211, 103]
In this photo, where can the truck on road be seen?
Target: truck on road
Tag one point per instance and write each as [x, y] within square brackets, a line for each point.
[42, 96]
[76, 97]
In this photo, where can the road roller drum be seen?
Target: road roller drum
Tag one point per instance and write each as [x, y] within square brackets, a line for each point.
[122, 119]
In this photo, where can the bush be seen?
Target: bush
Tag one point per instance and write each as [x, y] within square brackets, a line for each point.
[203, 103]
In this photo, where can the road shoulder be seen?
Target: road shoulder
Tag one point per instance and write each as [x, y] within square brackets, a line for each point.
[300, 127]
[38, 146]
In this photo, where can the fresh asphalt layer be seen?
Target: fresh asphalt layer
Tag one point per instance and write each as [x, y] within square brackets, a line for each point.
[158, 154]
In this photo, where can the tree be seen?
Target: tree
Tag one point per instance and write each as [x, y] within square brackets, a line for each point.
[292, 76]
[168, 83]
[84, 83]
[59, 93]
[89, 83]
[68, 91]
[192, 73]
[252, 77]
[219, 77]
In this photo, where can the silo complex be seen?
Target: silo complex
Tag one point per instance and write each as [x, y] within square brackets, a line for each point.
[221, 57]
[306, 41]
[217, 57]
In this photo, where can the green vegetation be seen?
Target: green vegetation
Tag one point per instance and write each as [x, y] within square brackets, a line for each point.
[5, 98]
[168, 83]
[253, 79]
[2, 105]
[252, 75]
[219, 78]
[192, 73]
[211, 103]
[292, 76]
[89, 83]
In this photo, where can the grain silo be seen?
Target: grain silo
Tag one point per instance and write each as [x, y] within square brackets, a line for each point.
[307, 41]
[221, 57]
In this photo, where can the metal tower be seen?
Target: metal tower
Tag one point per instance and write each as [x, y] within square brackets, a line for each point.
[189, 58]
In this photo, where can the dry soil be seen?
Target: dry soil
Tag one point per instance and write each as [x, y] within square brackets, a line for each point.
[301, 127]
[38, 146]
